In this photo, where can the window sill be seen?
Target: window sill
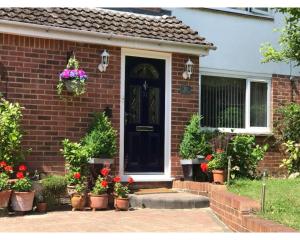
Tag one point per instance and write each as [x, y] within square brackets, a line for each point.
[244, 12]
[261, 132]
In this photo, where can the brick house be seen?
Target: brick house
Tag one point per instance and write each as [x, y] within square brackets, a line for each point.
[143, 85]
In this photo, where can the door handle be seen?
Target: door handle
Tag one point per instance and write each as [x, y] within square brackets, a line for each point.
[144, 128]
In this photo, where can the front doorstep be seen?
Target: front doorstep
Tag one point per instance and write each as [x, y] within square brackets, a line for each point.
[147, 178]
[101, 161]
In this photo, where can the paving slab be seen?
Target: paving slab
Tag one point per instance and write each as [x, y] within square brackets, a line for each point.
[137, 220]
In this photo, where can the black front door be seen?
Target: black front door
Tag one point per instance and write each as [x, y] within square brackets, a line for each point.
[144, 115]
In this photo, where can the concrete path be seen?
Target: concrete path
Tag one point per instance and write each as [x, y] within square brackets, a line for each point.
[139, 220]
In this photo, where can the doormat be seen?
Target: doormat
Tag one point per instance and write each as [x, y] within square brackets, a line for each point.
[153, 191]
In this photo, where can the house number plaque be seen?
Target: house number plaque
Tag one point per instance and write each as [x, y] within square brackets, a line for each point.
[185, 89]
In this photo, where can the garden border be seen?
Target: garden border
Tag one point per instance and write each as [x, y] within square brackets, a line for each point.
[237, 212]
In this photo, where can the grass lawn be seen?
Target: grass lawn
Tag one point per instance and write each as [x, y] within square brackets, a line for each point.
[282, 198]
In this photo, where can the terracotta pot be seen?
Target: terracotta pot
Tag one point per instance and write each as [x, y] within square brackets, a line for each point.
[22, 201]
[122, 203]
[98, 201]
[78, 202]
[4, 198]
[218, 176]
[41, 207]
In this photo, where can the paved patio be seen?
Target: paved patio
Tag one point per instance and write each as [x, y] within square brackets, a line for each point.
[139, 220]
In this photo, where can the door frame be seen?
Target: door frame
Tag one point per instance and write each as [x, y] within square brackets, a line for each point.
[148, 177]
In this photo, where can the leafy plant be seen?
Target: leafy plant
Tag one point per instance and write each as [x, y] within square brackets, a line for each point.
[120, 190]
[4, 184]
[245, 155]
[22, 185]
[292, 163]
[54, 187]
[287, 126]
[101, 139]
[76, 76]
[80, 188]
[195, 141]
[10, 132]
[101, 186]
[219, 160]
[76, 156]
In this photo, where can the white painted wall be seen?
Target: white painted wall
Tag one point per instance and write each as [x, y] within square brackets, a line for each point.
[237, 38]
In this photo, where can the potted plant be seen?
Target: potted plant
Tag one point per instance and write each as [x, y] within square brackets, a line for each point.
[217, 165]
[41, 205]
[76, 156]
[73, 78]
[78, 198]
[99, 197]
[121, 193]
[5, 191]
[193, 147]
[100, 140]
[22, 195]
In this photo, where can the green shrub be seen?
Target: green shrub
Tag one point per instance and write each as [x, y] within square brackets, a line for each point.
[292, 163]
[10, 132]
[245, 155]
[219, 161]
[195, 141]
[53, 188]
[22, 185]
[101, 138]
[287, 127]
[4, 184]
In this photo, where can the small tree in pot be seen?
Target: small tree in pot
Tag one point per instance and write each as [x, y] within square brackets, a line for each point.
[121, 193]
[5, 191]
[22, 196]
[78, 197]
[99, 196]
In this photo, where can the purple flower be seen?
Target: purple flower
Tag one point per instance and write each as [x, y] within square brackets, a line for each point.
[81, 73]
[65, 73]
[73, 73]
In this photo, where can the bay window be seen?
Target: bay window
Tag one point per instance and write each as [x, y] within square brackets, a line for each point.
[235, 103]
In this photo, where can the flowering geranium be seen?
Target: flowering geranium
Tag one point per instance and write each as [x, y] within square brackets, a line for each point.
[77, 175]
[105, 171]
[8, 169]
[22, 168]
[20, 175]
[120, 190]
[204, 167]
[76, 77]
[209, 157]
[100, 187]
[3, 164]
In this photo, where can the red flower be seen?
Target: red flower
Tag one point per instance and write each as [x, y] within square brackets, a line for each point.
[8, 168]
[117, 179]
[20, 175]
[203, 167]
[208, 157]
[2, 164]
[22, 168]
[77, 175]
[105, 171]
[130, 180]
[104, 183]
[219, 150]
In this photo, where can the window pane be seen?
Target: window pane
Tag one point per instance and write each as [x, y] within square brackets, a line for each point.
[258, 104]
[223, 102]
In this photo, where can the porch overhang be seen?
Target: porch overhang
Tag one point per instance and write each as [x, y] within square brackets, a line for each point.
[59, 33]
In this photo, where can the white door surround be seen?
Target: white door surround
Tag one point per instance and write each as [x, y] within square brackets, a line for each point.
[166, 176]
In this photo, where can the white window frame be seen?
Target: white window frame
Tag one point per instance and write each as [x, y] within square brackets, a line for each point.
[251, 130]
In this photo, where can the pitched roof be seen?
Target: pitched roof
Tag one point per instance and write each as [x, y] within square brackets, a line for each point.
[167, 28]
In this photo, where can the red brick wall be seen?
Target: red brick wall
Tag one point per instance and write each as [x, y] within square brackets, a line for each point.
[32, 66]
[183, 106]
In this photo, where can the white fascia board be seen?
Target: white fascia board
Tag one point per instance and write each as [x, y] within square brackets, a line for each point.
[49, 32]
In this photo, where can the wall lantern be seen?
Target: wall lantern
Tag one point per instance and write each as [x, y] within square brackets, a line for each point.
[188, 69]
[104, 61]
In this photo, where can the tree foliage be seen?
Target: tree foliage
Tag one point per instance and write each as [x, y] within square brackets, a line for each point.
[289, 40]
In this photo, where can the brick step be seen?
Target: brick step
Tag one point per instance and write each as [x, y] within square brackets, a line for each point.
[178, 200]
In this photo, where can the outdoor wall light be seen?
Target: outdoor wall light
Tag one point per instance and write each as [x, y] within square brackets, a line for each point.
[188, 69]
[104, 61]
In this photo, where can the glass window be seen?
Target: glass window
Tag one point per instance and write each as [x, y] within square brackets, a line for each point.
[258, 104]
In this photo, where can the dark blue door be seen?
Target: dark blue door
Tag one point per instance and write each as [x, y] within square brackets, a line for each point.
[144, 115]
